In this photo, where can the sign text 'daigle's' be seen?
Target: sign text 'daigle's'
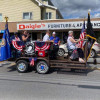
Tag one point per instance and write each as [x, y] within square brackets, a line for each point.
[56, 25]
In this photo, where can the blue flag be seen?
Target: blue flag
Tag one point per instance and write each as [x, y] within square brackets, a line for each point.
[5, 52]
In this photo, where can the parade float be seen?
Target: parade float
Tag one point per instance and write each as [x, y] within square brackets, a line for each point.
[37, 54]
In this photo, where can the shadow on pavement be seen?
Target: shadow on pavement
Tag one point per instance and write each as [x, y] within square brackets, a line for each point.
[13, 68]
[72, 71]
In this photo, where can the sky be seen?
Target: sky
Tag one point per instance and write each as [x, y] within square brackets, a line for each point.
[78, 8]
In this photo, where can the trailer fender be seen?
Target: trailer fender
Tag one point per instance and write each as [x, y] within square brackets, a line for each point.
[22, 58]
[43, 59]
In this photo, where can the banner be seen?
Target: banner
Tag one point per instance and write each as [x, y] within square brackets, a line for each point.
[55, 25]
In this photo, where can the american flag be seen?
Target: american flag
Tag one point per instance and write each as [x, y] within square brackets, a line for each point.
[82, 36]
[32, 60]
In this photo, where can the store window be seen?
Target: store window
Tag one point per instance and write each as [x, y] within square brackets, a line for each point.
[43, 34]
[27, 15]
[48, 15]
[77, 34]
[0, 16]
[65, 36]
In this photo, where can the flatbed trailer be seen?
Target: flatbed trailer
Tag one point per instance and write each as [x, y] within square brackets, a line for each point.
[43, 65]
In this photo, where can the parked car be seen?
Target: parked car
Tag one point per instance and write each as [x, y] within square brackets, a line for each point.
[63, 49]
[95, 49]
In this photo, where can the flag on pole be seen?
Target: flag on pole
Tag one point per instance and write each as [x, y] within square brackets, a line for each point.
[8, 41]
[82, 36]
[5, 52]
[90, 36]
[32, 61]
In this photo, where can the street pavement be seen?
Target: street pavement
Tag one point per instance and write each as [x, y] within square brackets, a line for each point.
[56, 85]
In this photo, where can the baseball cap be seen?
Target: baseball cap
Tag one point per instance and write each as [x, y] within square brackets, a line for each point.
[54, 33]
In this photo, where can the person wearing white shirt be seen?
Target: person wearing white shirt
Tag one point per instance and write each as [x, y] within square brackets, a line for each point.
[46, 37]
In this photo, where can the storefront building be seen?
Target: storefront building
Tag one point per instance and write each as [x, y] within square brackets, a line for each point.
[61, 27]
[37, 29]
[37, 16]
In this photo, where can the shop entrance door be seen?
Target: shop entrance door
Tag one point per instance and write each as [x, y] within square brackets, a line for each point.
[34, 36]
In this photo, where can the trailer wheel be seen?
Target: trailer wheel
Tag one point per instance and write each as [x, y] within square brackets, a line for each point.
[42, 67]
[22, 66]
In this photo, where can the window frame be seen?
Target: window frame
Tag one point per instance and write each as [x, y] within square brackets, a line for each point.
[47, 15]
[30, 14]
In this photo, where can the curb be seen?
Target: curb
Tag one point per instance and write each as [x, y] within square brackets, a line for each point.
[6, 63]
[12, 64]
[94, 68]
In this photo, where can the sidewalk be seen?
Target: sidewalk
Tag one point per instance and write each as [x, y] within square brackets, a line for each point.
[3, 63]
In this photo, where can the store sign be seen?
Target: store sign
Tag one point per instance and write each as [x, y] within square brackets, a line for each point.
[55, 26]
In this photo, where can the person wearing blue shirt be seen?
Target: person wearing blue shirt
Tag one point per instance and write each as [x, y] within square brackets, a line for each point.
[56, 43]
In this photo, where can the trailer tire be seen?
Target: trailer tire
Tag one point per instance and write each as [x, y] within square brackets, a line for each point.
[22, 66]
[42, 67]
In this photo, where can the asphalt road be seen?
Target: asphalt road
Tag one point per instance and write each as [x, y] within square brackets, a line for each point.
[57, 85]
